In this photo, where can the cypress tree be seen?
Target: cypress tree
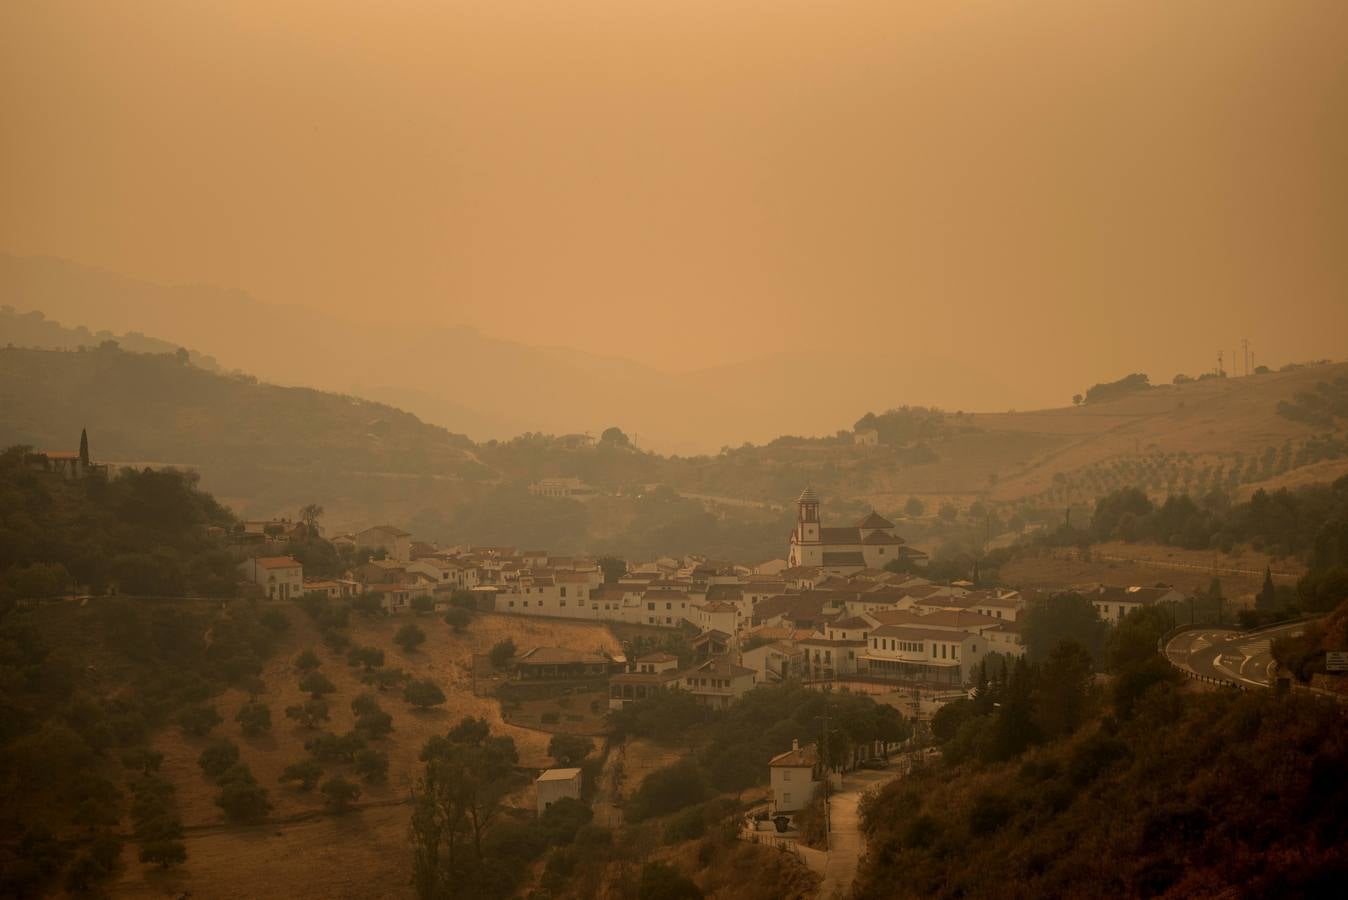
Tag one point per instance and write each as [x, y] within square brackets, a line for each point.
[84, 447]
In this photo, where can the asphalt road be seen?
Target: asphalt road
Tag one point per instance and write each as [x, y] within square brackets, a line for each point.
[1228, 654]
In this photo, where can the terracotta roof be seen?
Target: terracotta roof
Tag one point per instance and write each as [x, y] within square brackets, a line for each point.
[875, 520]
[806, 757]
[840, 535]
[560, 655]
[277, 562]
[719, 665]
[658, 656]
[396, 532]
[808, 496]
[718, 607]
[894, 616]
[957, 618]
[883, 539]
[917, 633]
[853, 622]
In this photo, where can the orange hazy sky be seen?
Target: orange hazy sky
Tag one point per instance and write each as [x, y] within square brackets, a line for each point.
[1097, 187]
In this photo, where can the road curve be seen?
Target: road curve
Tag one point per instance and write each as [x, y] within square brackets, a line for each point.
[1241, 658]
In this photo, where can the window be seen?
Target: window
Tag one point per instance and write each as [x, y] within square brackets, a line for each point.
[933, 651]
[786, 774]
[563, 594]
[669, 606]
[786, 797]
[651, 607]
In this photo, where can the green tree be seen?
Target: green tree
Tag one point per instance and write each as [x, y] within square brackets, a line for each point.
[339, 793]
[307, 661]
[423, 694]
[458, 619]
[1267, 598]
[218, 756]
[164, 853]
[613, 568]
[423, 604]
[198, 720]
[661, 881]
[914, 507]
[1063, 617]
[1064, 690]
[309, 713]
[502, 652]
[410, 637]
[316, 684]
[569, 749]
[366, 657]
[254, 719]
[243, 799]
[306, 772]
[614, 436]
[372, 765]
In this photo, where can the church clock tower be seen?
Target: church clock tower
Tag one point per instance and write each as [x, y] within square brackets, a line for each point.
[806, 547]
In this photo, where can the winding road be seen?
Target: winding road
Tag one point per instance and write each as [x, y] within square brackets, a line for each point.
[1226, 654]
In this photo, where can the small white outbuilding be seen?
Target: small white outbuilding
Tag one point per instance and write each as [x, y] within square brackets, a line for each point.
[554, 784]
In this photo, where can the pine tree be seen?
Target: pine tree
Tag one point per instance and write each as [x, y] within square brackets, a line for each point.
[1267, 597]
[84, 447]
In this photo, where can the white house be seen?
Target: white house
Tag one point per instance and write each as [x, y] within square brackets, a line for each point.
[393, 541]
[718, 682]
[554, 784]
[794, 776]
[1113, 603]
[280, 576]
[774, 661]
[927, 655]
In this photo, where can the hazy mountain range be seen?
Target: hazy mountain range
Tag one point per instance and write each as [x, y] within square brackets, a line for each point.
[488, 387]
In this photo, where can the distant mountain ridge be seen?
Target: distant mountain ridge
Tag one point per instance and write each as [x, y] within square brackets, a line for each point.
[488, 387]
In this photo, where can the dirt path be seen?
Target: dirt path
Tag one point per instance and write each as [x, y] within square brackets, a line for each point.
[845, 841]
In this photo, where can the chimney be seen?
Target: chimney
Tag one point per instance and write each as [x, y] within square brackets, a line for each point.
[795, 744]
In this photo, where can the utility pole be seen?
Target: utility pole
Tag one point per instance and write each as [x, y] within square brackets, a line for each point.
[1220, 372]
[1245, 353]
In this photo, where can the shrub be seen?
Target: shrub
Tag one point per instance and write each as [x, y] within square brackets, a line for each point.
[564, 818]
[660, 881]
[990, 812]
[666, 790]
[409, 637]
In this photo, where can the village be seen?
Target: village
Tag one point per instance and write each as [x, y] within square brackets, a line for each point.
[843, 610]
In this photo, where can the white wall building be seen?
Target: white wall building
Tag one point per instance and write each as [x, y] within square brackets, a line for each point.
[280, 576]
[794, 776]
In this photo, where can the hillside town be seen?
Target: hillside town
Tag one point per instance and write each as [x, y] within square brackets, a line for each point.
[844, 606]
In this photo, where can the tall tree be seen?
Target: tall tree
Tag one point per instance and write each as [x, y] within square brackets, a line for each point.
[84, 447]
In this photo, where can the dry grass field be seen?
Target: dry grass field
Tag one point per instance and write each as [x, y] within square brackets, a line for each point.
[1014, 456]
[1118, 563]
[307, 853]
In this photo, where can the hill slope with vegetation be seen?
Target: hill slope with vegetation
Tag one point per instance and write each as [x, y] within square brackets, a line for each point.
[268, 450]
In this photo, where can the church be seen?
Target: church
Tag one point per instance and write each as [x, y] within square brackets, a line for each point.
[869, 544]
